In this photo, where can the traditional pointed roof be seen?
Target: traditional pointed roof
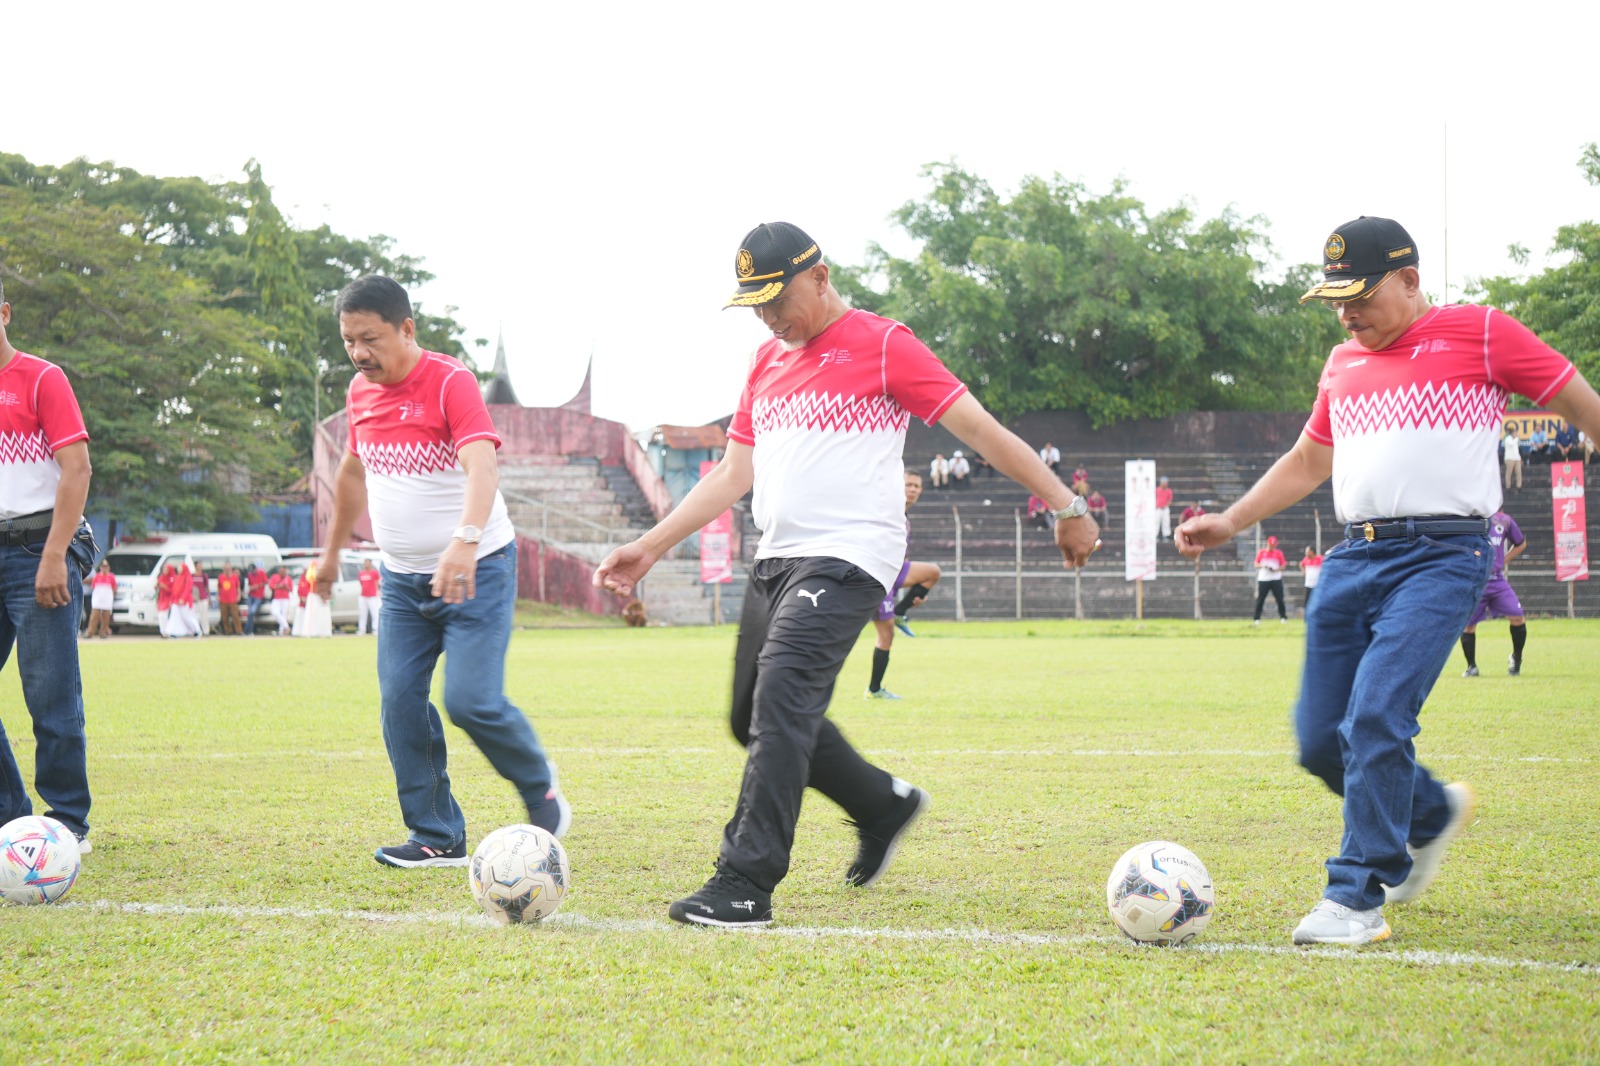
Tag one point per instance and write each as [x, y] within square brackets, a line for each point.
[498, 388]
[580, 402]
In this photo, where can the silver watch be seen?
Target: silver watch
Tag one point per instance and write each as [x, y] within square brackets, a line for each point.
[1076, 509]
[468, 534]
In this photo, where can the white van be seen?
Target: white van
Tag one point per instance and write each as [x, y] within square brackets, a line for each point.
[137, 562]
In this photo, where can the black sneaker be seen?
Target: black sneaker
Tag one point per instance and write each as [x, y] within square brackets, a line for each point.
[411, 854]
[881, 838]
[727, 900]
[554, 815]
[1515, 669]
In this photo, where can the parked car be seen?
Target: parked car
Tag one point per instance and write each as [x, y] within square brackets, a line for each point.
[346, 587]
[137, 562]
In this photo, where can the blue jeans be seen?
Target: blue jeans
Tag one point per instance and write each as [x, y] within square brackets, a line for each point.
[255, 603]
[1384, 623]
[415, 628]
[47, 658]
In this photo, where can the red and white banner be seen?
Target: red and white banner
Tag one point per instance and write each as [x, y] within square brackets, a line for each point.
[716, 544]
[1139, 523]
[1572, 524]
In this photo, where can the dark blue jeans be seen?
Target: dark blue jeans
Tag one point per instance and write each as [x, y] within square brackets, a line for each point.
[1384, 622]
[46, 640]
[254, 606]
[415, 629]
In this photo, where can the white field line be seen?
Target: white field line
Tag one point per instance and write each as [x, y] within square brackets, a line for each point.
[1373, 956]
[964, 753]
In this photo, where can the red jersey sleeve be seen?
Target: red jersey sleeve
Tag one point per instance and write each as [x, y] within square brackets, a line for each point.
[1520, 362]
[350, 422]
[59, 415]
[1319, 427]
[742, 429]
[916, 378]
[464, 410]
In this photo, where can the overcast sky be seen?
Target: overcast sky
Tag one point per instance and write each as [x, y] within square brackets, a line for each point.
[582, 176]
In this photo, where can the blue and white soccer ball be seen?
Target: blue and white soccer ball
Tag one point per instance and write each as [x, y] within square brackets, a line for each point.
[39, 860]
[519, 874]
[1160, 893]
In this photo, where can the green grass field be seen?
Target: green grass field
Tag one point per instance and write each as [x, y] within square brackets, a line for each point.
[231, 910]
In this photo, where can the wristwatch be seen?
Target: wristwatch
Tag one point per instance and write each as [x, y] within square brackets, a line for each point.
[468, 534]
[1076, 509]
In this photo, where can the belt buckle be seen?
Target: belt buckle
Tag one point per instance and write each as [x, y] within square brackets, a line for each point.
[1368, 532]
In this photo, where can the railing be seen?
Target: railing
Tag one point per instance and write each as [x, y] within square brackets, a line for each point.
[556, 526]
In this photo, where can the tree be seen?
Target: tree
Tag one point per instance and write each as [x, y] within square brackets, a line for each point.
[1562, 304]
[232, 238]
[167, 377]
[1057, 299]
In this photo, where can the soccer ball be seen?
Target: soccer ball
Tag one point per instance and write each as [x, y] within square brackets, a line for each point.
[1160, 893]
[519, 874]
[39, 860]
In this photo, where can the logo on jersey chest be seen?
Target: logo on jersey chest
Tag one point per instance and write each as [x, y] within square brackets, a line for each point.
[9, 399]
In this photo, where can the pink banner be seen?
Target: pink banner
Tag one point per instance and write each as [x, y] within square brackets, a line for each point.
[1572, 530]
[716, 544]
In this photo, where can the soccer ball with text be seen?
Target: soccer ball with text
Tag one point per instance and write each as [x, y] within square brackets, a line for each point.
[1160, 893]
[519, 874]
[39, 860]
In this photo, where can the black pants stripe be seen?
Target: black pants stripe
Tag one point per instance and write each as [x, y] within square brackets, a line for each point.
[801, 618]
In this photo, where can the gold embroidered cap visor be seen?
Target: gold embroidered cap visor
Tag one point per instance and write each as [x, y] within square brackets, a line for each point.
[768, 257]
[1340, 290]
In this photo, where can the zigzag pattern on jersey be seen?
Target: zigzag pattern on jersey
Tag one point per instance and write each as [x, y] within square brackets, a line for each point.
[834, 414]
[401, 459]
[1470, 407]
[23, 448]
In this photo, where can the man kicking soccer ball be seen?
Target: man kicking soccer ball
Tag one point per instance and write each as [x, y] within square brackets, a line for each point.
[1415, 486]
[818, 433]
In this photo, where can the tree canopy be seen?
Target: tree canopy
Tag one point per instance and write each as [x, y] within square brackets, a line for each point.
[1057, 299]
[1562, 303]
[195, 323]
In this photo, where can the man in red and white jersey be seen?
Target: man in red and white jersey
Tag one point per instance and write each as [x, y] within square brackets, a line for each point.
[819, 433]
[370, 602]
[1406, 422]
[46, 551]
[421, 461]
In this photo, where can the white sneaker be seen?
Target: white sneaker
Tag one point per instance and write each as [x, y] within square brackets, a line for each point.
[1334, 923]
[1425, 858]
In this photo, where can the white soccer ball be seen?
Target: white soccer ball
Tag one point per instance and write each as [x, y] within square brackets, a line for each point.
[39, 860]
[519, 874]
[1160, 893]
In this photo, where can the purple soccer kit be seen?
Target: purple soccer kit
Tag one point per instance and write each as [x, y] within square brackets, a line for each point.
[1498, 599]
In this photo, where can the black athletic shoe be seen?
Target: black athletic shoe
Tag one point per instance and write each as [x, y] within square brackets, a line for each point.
[1515, 669]
[727, 900]
[411, 854]
[881, 838]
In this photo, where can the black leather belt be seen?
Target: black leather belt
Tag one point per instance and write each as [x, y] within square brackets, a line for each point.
[1388, 528]
[26, 529]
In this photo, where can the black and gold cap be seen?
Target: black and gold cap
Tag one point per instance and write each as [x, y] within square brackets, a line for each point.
[768, 257]
[1357, 255]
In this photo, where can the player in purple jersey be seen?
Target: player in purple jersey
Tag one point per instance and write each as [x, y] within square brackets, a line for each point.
[918, 580]
[1499, 600]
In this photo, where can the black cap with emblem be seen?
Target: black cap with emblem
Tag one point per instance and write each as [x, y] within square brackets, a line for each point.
[1357, 255]
[768, 257]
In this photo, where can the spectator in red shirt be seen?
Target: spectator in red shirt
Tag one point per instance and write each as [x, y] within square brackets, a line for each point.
[1164, 508]
[1097, 510]
[281, 585]
[102, 595]
[181, 622]
[1269, 578]
[370, 601]
[228, 600]
[1311, 567]
[256, 592]
[1194, 510]
[1039, 513]
[1080, 481]
[202, 601]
